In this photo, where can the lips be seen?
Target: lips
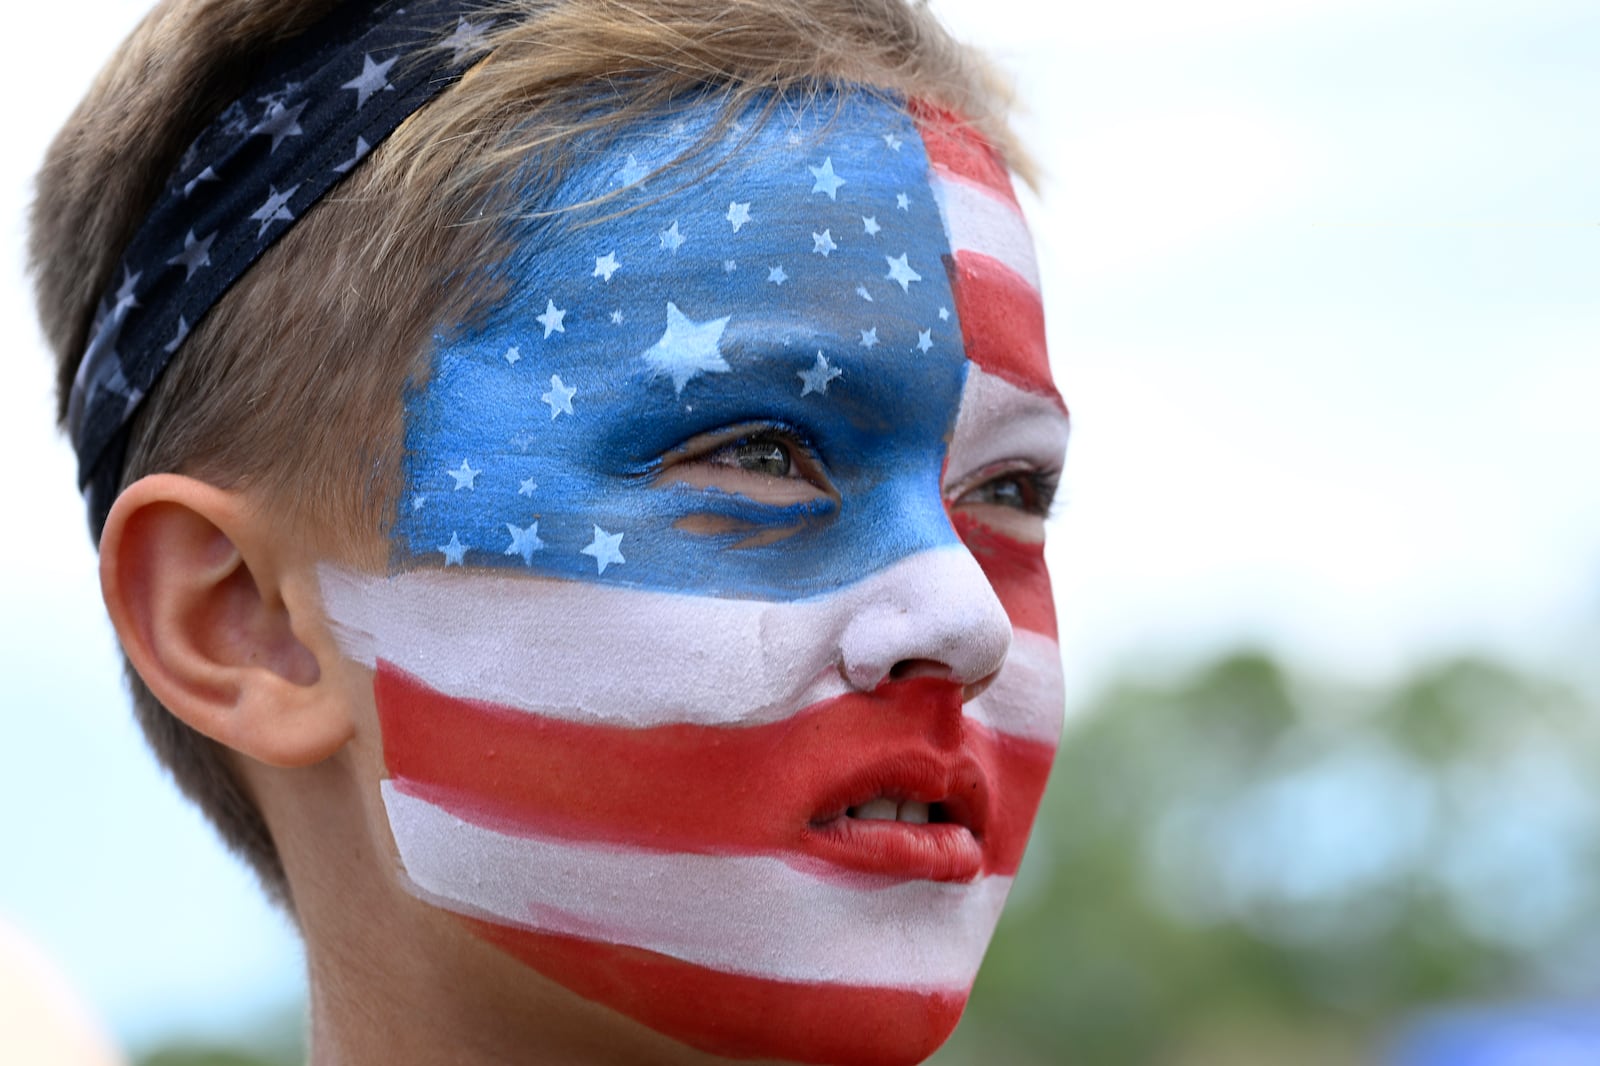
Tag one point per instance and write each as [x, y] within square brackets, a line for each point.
[804, 788]
[920, 814]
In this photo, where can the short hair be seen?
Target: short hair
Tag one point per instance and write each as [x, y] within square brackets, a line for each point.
[293, 384]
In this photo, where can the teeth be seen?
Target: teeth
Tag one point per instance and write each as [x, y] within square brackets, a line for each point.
[915, 813]
[887, 810]
[879, 810]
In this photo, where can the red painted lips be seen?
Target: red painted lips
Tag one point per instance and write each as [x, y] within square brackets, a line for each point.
[853, 826]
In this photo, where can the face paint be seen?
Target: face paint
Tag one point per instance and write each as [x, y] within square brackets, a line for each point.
[705, 687]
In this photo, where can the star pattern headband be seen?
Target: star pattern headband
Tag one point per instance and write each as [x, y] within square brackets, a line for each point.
[323, 102]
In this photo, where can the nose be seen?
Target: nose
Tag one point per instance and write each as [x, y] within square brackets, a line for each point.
[933, 613]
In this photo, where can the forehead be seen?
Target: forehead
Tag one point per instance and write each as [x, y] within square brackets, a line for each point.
[803, 228]
[794, 211]
[801, 272]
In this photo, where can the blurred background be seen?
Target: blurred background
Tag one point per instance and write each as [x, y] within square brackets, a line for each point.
[1322, 284]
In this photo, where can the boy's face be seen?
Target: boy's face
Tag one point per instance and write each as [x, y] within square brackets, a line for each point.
[716, 672]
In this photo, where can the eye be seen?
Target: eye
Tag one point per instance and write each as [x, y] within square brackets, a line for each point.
[1012, 497]
[766, 463]
[759, 455]
[1029, 491]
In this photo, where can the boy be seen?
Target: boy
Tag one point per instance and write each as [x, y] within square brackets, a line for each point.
[570, 482]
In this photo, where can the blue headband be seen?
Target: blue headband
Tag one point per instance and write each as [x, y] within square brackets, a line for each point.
[321, 103]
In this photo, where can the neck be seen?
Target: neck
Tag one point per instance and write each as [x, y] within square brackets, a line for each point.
[417, 1014]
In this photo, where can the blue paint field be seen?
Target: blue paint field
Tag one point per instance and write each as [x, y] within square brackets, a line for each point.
[799, 285]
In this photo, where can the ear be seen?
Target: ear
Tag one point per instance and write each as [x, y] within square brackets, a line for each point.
[216, 605]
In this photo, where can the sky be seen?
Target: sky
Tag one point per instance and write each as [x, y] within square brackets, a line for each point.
[1320, 283]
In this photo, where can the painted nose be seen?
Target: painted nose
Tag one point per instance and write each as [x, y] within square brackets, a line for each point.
[932, 614]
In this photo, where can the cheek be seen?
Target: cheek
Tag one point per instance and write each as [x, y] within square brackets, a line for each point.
[1017, 573]
[1023, 707]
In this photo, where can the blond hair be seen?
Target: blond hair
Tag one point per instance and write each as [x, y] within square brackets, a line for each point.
[292, 385]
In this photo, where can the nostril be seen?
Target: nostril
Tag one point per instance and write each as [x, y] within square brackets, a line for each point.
[906, 669]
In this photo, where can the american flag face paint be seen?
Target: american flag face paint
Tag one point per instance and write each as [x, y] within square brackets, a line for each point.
[717, 672]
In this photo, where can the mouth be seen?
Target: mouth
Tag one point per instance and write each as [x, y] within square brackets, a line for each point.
[920, 815]
[911, 812]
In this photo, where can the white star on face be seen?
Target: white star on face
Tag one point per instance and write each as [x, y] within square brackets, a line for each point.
[179, 337]
[671, 239]
[870, 224]
[902, 201]
[861, 291]
[455, 553]
[280, 122]
[892, 141]
[631, 173]
[466, 477]
[827, 180]
[205, 175]
[524, 542]
[606, 549]
[374, 78]
[738, 214]
[944, 314]
[869, 337]
[605, 266]
[527, 488]
[276, 209]
[816, 379]
[616, 317]
[822, 243]
[688, 348]
[900, 270]
[924, 340]
[552, 320]
[513, 353]
[362, 148]
[467, 38]
[777, 276]
[418, 500]
[559, 397]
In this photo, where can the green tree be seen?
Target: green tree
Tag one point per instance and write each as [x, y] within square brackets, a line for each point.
[1246, 866]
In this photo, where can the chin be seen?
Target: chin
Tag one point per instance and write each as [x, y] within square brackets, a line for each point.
[738, 1016]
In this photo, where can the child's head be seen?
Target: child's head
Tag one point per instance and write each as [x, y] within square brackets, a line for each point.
[589, 522]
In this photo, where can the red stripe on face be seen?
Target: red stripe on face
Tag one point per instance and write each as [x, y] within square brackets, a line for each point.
[1002, 323]
[1016, 571]
[956, 148]
[737, 1016]
[768, 789]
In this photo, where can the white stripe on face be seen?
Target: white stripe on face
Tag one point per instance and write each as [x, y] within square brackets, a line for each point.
[750, 915]
[549, 646]
[999, 421]
[977, 220]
